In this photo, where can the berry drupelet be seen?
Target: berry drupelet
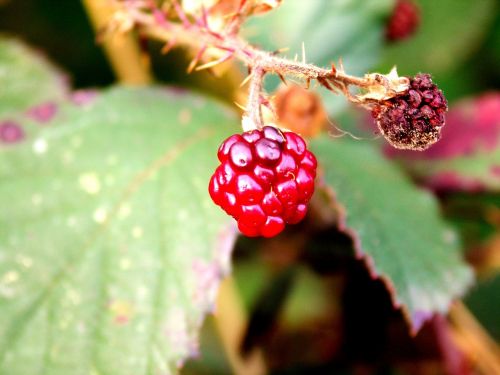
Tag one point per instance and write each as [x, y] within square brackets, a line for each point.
[265, 180]
[413, 120]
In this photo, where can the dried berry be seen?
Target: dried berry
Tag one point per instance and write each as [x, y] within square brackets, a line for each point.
[413, 119]
[265, 180]
[300, 110]
[403, 22]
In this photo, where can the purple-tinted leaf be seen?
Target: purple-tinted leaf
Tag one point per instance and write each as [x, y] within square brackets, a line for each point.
[28, 81]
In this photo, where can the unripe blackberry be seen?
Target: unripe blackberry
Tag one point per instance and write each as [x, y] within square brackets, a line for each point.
[413, 119]
[403, 22]
[265, 180]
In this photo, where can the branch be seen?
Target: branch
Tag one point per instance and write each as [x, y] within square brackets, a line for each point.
[129, 64]
[212, 48]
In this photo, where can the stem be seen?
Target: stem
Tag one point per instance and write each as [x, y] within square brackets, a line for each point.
[252, 119]
[195, 37]
[474, 341]
[129, 64]
[231, 324]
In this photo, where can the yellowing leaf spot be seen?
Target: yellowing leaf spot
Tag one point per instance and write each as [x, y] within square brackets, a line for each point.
[121, 311]
[89, 182]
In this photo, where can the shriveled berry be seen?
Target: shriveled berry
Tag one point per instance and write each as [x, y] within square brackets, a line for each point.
[413, 119]
[265, 180]
[240, 154]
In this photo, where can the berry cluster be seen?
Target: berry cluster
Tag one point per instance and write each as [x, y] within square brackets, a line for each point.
[413, 120]
[266, 179]
[404, 21]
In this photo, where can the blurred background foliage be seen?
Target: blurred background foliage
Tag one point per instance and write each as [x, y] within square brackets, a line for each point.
[315, 310]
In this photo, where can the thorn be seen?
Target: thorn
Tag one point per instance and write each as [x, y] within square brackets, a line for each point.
[282, 79]
[160, 18]
[243, 108]
[168, 46]
[325, 84]
[308, 83]
[180, 13]
[245, 81]
[197, 59]
[303, 53]
[204, 17]
[230, 49]
[341, 65]
[296, 58]
[280, 51]
[213, 63]
[334, 69]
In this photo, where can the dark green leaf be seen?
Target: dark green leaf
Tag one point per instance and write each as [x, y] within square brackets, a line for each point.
[396, 228]
[450, 31]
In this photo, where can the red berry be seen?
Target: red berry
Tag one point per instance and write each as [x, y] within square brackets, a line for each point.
[403, 22]
[265, 180]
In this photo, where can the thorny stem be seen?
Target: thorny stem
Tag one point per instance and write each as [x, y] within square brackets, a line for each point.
[253, 114]
[214, 48]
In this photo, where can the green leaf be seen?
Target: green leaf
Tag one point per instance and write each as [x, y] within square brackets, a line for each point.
[330, 30]
[26, 78]
[450, 31]
[396, 228]
[110, 247]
